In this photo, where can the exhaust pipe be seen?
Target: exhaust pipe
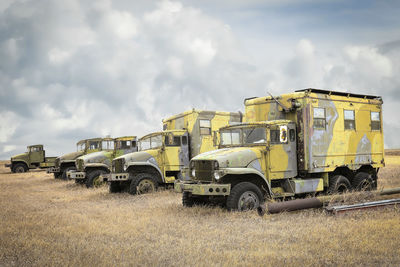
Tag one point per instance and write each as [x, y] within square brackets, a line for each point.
[310, 203]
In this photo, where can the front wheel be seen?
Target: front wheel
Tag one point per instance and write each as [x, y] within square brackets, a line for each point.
[339, 184]
[143, 183]
[93, 179]
[20, 167]
[244, 196]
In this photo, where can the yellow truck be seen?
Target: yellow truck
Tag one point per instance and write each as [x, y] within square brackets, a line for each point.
[296, 144]
[163, 155]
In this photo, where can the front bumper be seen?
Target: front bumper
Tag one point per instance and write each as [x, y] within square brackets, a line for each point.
[76, 175]
[118, 177]
[203, 189]
[53, 170]
[105, 177]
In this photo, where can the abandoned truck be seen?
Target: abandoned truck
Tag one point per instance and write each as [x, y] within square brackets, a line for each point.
[66, 162]
[32, 159]
[296, 144]
[91, 167]
[162, 155]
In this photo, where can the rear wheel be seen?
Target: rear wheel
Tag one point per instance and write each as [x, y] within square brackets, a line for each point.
[363, 182]
[20, 167]
[64, 173]
[143, 183]
[338, 184]
[244, 196]
[93, 178]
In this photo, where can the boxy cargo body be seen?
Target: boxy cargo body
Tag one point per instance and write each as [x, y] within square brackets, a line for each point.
[32, 159]
[90, 167]
[163, 155]
[309, 141]
[66, 162]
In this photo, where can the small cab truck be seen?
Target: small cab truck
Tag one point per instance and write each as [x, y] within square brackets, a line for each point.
[32, 159]
[92, 169]
[66, 162]
[163, 155]
[293, 145]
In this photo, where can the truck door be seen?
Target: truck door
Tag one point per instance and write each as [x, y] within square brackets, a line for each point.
[282, 154]
[171, 152]
[36, 154]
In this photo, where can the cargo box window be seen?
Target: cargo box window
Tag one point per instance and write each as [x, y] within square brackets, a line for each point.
[165, 126]
[205, 127]
[375, 121]
[349, 120]
[319, 118]
[292, 135]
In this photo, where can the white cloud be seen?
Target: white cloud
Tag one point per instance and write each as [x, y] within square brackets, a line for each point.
[8, 125]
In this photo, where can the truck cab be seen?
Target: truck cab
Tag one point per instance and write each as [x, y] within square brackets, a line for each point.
[92, 168]
[164, 155]
[66, 162]
[33, 158]
[312, 141]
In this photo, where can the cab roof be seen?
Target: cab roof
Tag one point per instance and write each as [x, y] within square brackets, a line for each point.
[95, 139]
[203, 112]
[35, 145]
[176, 132]
[126, 138]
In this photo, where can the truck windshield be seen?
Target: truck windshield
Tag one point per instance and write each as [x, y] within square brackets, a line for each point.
[126, 144]
[253, 135]
[94, 145]
[81, 147]
[150, 142]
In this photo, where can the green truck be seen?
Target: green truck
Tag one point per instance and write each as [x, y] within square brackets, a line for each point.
[66, 162]
[32, 159]
[92, 169]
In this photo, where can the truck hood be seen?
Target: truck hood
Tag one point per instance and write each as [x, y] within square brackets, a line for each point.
[97, 157]
[141, 156]
[236, 157]
[70, 156]
[19, 156]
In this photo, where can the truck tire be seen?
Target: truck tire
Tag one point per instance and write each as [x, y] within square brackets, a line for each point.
[188, 200]
[363, 182]
[143, 183]
[244, 196]
[338, 184]
[20, 167]
[93, 180]
[115, 187]
[64, 172]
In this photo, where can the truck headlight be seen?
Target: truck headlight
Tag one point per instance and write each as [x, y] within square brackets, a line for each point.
[193, 173]
[124, 168]
[217, 175]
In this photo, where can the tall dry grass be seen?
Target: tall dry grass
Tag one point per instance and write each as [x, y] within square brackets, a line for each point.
[51, 222]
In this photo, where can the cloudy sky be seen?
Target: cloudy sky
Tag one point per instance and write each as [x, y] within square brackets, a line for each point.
[77, 69]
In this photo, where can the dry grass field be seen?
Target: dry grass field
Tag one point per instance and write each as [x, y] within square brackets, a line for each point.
[52, 222]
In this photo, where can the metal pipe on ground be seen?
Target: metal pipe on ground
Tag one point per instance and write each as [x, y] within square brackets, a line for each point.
[310, 203]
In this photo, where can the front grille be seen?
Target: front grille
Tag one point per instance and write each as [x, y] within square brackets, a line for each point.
[118, 165]
[204, 170]
[80, 165]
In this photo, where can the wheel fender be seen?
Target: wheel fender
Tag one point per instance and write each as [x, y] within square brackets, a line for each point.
[133, 164]
[19, 161]
[97, 166]
[242, 171]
